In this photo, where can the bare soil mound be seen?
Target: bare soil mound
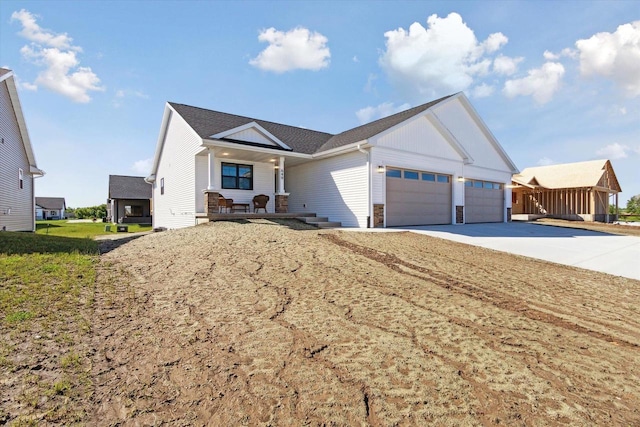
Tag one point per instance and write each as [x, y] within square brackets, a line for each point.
[264, 323]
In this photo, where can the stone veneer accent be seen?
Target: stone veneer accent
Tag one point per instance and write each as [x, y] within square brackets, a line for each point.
[508, 214]
[211, 202]
[282, 203]
[378, 216]
[459, 214]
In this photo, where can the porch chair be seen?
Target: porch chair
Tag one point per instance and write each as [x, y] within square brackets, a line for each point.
[224, 204]
[260, 202]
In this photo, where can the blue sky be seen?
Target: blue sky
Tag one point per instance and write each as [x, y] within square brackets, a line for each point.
[556, 82]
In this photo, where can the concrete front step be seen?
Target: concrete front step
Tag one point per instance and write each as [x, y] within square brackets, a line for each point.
[320, 222]
[313, 219]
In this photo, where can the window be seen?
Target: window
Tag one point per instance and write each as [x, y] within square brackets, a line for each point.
[394, 173]
[20, 179]
[239, 177]
[410, 175]
[130, 211]
[488, 185]
[161, 185]
[429, 177]
[477, 184]
[443, 178]
[468, 183]
[53, 213]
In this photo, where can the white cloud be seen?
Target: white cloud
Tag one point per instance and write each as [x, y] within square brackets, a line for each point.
[614, 55]
[482, 91]
[445, 57]
[541, 83]
[296, 49]
[62, 71]
[506, 65]
[355, 59]
[545, 161]
[614, 151]
[369, 114]
[33, 32]
[566, 52]
[143, 167]
[370, 86]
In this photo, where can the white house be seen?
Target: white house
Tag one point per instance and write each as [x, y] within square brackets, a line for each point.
[18, 164]
[436, 163]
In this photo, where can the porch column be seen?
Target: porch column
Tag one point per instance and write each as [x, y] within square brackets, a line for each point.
[212, 161]
[282, 198]
[281, 176]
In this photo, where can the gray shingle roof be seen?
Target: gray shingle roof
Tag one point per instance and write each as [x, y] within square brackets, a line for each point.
[208, 122]
[4, 71]
[55, 203]
[128, 187]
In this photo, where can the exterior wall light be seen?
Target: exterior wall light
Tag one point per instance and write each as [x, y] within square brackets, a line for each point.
[380, 169]
[461, 179]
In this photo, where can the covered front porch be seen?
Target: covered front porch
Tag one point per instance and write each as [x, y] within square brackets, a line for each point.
[231, 175]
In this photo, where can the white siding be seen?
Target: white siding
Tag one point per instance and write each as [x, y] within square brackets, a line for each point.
[176, 208]
[335, 187]
[17, 208]
[418, 136]
[251, 135]
[467, 132]
[263, 182]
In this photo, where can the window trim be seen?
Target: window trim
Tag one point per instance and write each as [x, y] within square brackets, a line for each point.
[236, 177]
[161, 186]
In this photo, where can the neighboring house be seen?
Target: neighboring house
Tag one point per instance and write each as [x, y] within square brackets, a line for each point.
[50, 208]
[436, 163]
[576, 191]
[129, 199]
[18, 166]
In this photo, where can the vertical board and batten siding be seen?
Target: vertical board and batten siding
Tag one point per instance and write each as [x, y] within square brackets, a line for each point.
[12, 158]
[418, 136]
[336, 187]
[460, 123]
[251, 135]
[176, 208]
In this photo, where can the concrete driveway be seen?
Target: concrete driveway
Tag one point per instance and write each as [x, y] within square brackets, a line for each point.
[608, 253]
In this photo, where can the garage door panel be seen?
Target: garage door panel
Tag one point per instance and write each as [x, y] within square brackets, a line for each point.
[417, 202]
[483, 205]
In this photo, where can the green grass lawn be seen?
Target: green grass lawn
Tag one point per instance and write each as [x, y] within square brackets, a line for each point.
[82, 229]
[47, 288]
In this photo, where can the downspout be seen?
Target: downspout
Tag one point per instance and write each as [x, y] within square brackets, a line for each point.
[369, 186]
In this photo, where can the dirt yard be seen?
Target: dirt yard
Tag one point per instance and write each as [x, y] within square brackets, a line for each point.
[271, 324]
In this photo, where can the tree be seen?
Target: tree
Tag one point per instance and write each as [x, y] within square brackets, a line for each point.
[633, 205]
[91, 212]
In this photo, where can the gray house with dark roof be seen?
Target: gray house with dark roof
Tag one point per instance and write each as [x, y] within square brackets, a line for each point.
[437, 163]
[50, 208]
[129, 200]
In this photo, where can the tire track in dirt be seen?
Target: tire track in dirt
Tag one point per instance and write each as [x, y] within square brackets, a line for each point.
[450, 283]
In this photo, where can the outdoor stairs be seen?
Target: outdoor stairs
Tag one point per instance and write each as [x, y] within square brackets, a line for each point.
[320, 221]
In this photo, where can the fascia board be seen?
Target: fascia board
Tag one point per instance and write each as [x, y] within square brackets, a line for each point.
[485, 129]
[209, 143]
[22, 125]
[166, 117]
[339, 150]
[251, 125]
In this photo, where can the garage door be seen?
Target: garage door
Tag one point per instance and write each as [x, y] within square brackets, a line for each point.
[483, 201]
[417, 198]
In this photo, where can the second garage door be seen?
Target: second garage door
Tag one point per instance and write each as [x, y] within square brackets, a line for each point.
[483, 201]
[417, 198]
